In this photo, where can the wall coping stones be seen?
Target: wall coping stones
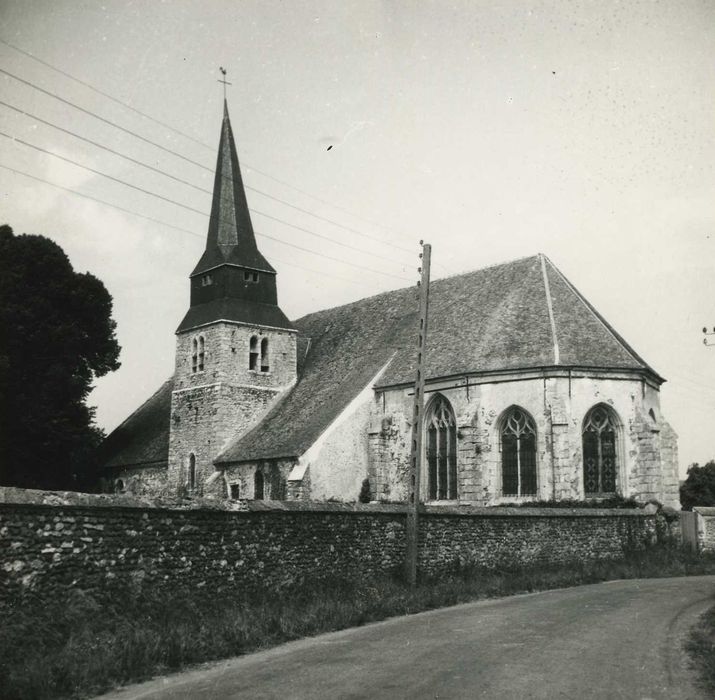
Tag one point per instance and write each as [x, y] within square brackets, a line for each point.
[10, 496]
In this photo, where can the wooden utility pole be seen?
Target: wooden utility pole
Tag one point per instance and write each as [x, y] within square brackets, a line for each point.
[413, 499]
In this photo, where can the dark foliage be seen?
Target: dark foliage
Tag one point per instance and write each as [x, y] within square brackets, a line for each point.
[365, 493]
[699, 488]
[700, 646]
[56, 336]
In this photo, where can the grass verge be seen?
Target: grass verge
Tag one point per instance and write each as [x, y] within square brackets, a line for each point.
[77, 646]
[701, 649]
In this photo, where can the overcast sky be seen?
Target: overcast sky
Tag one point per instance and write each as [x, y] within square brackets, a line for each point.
[491, 130]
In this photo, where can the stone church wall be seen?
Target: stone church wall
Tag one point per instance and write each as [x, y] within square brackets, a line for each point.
[647, 446]
[203, 420]
[50, 541]
[138, 481]
[226, 356]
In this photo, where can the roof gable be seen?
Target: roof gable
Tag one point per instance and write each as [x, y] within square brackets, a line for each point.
[143, 438]
[519, 315]
[489, 320]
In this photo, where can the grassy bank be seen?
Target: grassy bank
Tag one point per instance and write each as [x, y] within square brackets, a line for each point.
[701, 649]
[77, 647]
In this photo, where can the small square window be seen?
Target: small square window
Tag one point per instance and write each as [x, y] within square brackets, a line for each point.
[235, 492]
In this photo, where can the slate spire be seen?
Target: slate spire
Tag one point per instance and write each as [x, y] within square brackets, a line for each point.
[230, 239]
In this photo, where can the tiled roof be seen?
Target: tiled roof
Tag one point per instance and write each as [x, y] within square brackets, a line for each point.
[494, 319]
[143, 438]
[488, 320]
[238, 310]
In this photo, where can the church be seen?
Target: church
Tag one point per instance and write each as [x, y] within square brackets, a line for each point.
[530, 394]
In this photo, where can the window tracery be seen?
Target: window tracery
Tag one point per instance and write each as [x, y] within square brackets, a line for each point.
[600, 459]
[441, 451]
[518, 453]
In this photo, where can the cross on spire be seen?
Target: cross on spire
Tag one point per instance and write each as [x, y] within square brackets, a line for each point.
[223, 80]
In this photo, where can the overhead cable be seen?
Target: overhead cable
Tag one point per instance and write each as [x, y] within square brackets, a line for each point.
[178, 228]
[193, 209]
[201, 143]
[171, 201]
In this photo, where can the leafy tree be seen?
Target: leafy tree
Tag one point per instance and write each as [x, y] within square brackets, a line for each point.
[699, 488]
[365, 492]
[56, 336]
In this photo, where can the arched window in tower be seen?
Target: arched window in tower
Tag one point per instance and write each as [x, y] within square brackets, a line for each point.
[194, 355]
[441, 450]
[264, 355]
[518, 453]
[253, 353]
[201, 353]
[191, 482]
[600, 454]
[258, 485]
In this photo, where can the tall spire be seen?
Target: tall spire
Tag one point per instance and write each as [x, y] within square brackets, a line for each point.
[230, 239]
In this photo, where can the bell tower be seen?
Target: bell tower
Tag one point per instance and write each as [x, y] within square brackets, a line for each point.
[235, 348]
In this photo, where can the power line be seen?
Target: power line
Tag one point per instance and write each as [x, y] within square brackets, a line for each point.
[100, 201]
[258, 233]
[178, 228]
[104, 148]
[203, 189]
[106, 121]
[101, 92]
[202, 143]
[102, 174]
[193, 209]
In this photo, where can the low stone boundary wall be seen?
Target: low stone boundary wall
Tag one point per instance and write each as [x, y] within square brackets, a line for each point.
[702, 523]
[50, 541]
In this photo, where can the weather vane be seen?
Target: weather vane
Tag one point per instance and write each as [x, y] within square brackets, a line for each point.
[223, 80]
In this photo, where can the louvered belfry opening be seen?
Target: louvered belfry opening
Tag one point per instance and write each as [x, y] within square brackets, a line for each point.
[441, 451]
[600, 460]
[518, 453]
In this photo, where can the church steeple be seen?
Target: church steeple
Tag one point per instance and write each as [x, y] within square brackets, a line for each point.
[230, 237]
[232, 281]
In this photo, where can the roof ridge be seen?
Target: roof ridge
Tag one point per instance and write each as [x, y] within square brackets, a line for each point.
[550, 308]
[490, 267]
[613, 332]
[432, 283]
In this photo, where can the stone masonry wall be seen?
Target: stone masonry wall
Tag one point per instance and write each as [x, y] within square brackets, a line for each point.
[226, 356]
[646, 447]
[705, 519]
[203, 419]
[50, 541]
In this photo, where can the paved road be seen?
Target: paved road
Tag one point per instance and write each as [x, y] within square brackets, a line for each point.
[613, 640]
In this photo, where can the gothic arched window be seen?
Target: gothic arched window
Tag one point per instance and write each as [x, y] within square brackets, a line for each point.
[600, 459]
[441, 450]
[518, 453]
[264, 355]
[194, 355]
[201, 353]
[258, 485]
[253, 353]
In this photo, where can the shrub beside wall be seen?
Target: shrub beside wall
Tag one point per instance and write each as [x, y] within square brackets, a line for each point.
[50, 541]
